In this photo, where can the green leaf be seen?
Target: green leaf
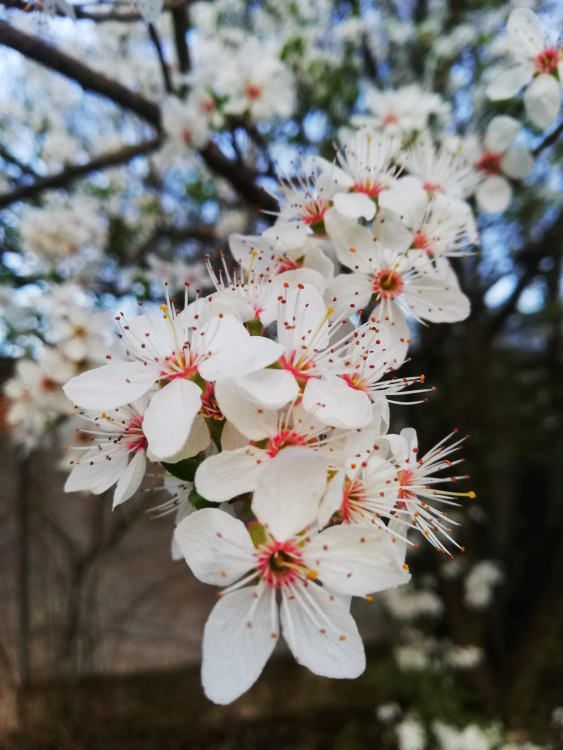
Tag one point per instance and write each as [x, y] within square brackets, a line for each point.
[199, 502]
[184, 469]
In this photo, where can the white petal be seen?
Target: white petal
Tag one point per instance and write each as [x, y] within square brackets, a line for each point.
[250, 355]
[438, 298]
[390, 231]
[354, 205]
[227, 475]
[348, 292]
[289, 490]
[493, 194]
[130, 479]
[332, 499]
[355, 560]
[321, 632]
[240, 408]
[301, 318]
[500, 133]
[216, 546]
[239, 637]
[169, 417]
[334, 402]
[518, 163]
[291, 235]
[271, 389]
[542, 100]
[507, 83]
[95, 474]
[198, 440]
[111, 385]
[407, 200]
[525, 37]
[353, 243]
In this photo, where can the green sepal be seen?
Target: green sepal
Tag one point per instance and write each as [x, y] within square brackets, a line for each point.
[199, 502]
[185, 469]
[257, 533]
[254, 327]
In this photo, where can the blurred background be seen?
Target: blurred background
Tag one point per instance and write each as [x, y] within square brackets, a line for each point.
[134, 138]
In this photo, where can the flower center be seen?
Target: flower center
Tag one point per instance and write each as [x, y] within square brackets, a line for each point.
[134, 435]
[301, 368]
[180, 365]
[546, 61]
[388, 284]
[209, 406]
[422, 242]
[283, 439]
[281, 563]
[285, 263]
[79, 332]
[353, 500]
[314, 211]
[390, 119]
[490, 163]
[433, 187]
[253, 91]
[208, 106]
[48, 385]
[372, 189]
[354, 381]
[187, 136]
[405, 478]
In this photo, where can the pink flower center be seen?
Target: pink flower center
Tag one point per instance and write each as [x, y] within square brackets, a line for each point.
[314, 211]
[546, 61]
[490, 163]
[283, 439]
[280, 563]
[433, 187]
[208, 106]
[390, 119]
[285, 263]
[406, 477]
[48, 385]
[134, 435]
[353, 499]
[422, 242]
[209, 406]
[187, 136]
[301, 368]
[355, 382]
[388, 284]
[182, 365]
[369, 188]
[253, 91]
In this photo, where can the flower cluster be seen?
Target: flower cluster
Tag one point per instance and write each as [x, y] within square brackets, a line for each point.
[269, 400]
[537, 67]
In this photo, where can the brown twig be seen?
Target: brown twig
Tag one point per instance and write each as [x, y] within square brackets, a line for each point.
[240, 176]
[549, 140]
[67, 176]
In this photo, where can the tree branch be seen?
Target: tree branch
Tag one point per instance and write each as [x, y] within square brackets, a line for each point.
[67, 176]
[549, 140]
[53, 58]
[163, 66]
[241, 177]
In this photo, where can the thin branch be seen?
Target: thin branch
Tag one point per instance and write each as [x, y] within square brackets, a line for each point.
[549, 140]
[38, 50]
[163, 66]
[98, 17]
[7, 156]
[67, 176]
[241, 177]
[181, 24]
